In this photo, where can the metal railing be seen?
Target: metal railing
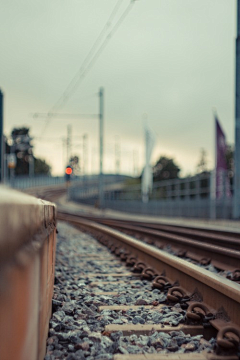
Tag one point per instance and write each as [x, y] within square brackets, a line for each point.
[186, 197]
[24, 182]
[84, 182]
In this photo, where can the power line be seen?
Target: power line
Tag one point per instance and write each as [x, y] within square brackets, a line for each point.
[108, 37]
[62, 115]
[64, 97]
[99, 51]
[56, 137]
[88, 60]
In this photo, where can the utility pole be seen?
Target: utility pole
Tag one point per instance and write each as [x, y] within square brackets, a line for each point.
[117, 155]
[84, 154]
[1, 137]
[69, 142]
[135, 162]
[236, 192]
[101, 118]
[64, 143]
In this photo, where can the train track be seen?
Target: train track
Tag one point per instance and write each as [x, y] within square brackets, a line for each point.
[208, 304]
[214, 250]
[49, 193]
[211, 302]
[217, 248]
[222, 252]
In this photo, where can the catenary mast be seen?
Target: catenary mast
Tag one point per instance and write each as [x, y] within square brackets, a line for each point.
[236, 198]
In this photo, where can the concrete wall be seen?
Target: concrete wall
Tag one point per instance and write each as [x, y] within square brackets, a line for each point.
[27, 259]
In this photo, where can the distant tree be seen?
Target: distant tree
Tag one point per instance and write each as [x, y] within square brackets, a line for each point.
[18, 133]
[165, 168]
[202, 164]
[74, 163]
[20, 145]
[41, 167]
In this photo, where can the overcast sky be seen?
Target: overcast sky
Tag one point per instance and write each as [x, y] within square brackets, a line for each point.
[173, 60]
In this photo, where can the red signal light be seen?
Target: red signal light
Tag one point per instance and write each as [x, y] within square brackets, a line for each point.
[68, 171]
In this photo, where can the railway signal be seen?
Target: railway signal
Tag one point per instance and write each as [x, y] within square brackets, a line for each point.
[68, 173]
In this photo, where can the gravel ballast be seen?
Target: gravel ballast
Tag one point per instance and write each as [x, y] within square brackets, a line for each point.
[77, 327]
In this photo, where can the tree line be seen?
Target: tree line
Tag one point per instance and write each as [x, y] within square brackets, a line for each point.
[166, 168]
[20, 145]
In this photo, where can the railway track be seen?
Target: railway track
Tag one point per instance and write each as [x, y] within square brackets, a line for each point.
[49, 193]
[209, 303]
[126, 297]
[214, 250]
[218, 250]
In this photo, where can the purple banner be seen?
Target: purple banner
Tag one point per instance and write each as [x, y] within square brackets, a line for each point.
[222, 180]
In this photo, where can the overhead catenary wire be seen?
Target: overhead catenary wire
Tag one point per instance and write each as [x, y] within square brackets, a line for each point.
[64, 97]
[68, 115]
[90, 59]
[55, 138]
[108, 37]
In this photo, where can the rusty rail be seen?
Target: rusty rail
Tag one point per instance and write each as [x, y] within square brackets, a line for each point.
[217, 292]
[224, 255]
[196, 249]
[231, 240]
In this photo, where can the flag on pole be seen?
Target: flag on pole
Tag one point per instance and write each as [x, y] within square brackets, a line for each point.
[147, 171]
[222, 180]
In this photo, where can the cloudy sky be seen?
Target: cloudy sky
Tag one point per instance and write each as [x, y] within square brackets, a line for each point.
[168, 64]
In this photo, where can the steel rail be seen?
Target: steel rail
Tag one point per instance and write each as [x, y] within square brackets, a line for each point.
[217, 292]
[231, 239]
[221, 257]
[229, 258]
